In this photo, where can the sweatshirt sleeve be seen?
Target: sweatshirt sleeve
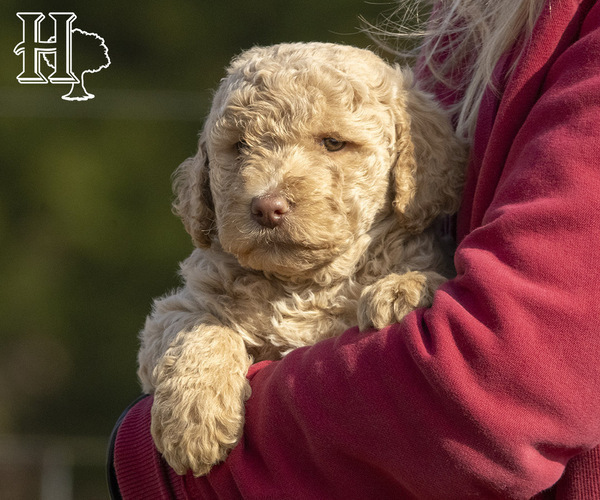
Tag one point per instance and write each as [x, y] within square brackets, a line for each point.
[494, 388]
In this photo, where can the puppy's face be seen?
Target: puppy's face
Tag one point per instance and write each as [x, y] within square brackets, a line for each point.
[297, 156]
[299, 163]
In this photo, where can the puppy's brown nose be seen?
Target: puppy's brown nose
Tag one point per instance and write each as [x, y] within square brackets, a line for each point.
[269, 211]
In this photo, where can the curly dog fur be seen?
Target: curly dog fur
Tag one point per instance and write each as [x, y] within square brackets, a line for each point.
[319, 171]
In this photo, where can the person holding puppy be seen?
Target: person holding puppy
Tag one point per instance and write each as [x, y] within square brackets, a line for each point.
[492, 392]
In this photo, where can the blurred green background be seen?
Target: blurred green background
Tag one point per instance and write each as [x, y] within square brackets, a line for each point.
[87, 238]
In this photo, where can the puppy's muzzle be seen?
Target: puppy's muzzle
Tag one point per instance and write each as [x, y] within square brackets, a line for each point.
[269, 211]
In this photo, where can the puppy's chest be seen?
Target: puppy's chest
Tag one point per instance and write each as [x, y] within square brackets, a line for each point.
[283, 319]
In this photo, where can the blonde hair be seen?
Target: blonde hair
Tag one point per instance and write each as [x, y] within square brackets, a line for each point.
[459, 42]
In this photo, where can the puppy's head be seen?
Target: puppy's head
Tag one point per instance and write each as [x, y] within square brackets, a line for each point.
[306, 148]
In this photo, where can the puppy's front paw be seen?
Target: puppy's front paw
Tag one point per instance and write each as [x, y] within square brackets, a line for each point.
[391, 298]
[195, 430]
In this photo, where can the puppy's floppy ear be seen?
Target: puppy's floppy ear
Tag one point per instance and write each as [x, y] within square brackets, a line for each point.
[193, 200]
[429, 170]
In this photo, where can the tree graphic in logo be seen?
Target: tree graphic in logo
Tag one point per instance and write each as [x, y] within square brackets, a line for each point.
[90, 44]
[91, 53]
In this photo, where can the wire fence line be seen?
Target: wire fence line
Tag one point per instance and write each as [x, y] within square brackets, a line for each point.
[29, 101]
[52, 467]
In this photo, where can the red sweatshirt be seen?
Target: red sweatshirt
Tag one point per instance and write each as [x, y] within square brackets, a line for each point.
[488, 393]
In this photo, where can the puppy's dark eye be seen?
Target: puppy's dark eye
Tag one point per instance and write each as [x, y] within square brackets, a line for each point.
[241, 146]
[332, 144]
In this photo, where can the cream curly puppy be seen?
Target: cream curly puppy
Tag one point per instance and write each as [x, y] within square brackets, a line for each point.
[319, 169]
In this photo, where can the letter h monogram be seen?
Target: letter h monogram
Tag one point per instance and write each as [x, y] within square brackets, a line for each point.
[32, 48]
